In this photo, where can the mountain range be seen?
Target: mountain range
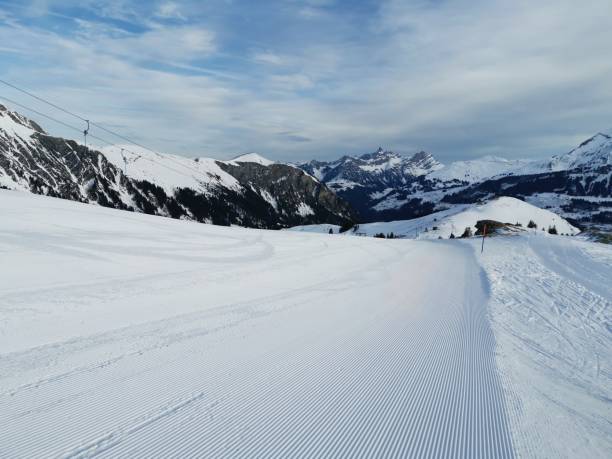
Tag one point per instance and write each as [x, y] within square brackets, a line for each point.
[253, 191]
[247, 191]
[385, 186]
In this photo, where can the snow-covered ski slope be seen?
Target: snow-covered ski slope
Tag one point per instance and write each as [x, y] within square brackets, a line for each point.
[128, 335]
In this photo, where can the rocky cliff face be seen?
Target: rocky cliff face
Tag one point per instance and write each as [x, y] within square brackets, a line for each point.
[233, 192]
[286, 187]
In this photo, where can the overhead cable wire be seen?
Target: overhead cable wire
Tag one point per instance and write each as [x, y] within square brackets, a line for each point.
[42, 99]
[94, 136]
[41, 114]
[58, 107]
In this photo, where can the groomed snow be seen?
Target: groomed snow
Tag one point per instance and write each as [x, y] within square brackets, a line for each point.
[162, 338]
[124, 334]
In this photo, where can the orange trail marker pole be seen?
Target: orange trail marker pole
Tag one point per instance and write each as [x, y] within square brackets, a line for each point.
[484, 233]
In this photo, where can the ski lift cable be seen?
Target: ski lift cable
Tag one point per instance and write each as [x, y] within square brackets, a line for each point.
[41, 114]
[41, 99]
[104, 141]
[123, 138]
[109, 131]
[166, 157]
[142, 157]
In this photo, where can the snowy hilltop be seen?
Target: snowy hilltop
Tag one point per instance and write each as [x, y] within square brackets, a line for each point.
[514, 215]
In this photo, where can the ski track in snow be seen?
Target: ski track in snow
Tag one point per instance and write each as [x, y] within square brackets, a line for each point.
[159, 338]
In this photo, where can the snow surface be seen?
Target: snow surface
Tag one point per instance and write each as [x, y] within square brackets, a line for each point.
[124, 334]
[479, 169]
[14, 128]
[382, 166]
[456, 219]
[304, 209]
[551, 310]
[169, 171]
[342, 184]
[594, 152]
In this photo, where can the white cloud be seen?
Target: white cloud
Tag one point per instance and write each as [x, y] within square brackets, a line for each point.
[269, 58]
[458, 78]
[290, 83]
[309, 12]
[169, 10]
[169, 45]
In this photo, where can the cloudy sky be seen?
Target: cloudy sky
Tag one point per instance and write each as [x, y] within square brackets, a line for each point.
[300, 79]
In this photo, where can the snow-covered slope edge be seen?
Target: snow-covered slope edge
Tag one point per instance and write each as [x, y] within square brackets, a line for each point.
[248, 191]
[455, 220]
[551, 309]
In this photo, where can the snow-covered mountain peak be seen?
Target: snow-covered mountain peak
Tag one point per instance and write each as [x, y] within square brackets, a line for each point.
[15, 124]
[253, 158]
[594, 152]
[382, 161]
[377, 162]
[377, 156]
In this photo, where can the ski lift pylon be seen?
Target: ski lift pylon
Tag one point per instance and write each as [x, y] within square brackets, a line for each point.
[85, 132]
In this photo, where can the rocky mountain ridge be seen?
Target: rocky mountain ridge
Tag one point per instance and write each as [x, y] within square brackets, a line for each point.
[237, 192]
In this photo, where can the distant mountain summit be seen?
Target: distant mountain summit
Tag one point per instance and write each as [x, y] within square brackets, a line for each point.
[593, 153]
[384, 168]
[248, 191]
[364, 180]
